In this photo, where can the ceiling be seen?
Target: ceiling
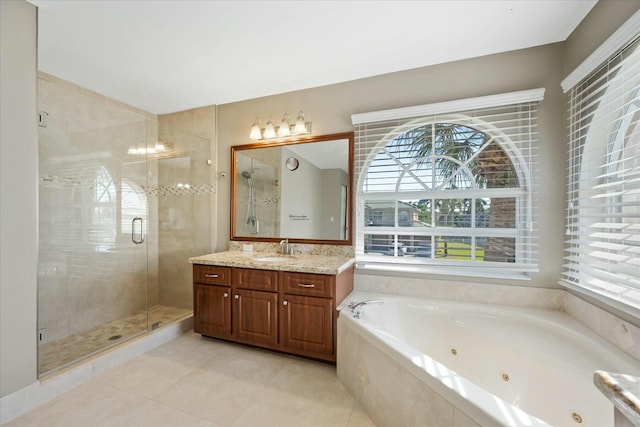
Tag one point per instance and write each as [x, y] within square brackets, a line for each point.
[166, 56]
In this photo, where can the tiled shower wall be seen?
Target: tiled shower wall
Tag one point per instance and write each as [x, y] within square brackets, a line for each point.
[184, 200]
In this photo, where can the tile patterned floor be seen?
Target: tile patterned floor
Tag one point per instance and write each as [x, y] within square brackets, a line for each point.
[195, 381]
[61, 353]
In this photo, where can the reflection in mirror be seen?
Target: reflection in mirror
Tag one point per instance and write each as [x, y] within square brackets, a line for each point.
[298, 190]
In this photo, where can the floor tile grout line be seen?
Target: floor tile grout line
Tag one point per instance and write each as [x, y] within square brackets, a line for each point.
[150, 400]
[172, 383]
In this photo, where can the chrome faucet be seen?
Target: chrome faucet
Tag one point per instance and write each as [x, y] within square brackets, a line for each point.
[357, 307]
[285, 247]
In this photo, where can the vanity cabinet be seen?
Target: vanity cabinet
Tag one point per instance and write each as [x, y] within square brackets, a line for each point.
[286, 311]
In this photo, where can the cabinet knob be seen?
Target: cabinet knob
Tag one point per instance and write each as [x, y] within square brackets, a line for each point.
[226, 295]
[237, 296]
[211, 276]
[285, 302]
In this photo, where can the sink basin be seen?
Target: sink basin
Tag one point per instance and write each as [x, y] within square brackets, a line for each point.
[272, 258]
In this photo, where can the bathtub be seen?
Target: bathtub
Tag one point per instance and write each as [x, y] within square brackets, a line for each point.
[413, 361]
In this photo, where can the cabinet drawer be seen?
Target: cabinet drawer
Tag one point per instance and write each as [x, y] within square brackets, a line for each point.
[211, 274]
[317, 285]
[260, 280]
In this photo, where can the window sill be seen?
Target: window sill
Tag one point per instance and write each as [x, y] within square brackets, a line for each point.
[511, 273]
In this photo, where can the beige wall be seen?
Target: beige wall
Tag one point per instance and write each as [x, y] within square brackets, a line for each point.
[330, 109]
[18, 195]
[602, 21]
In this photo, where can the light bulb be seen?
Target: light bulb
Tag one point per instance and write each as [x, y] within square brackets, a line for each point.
[284, 129]
[269, 130]
[300, 127]
[255, 131]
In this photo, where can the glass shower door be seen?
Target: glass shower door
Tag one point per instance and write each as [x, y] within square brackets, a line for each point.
[93, 207]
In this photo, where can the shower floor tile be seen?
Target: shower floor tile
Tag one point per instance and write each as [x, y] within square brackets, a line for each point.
[58, 354]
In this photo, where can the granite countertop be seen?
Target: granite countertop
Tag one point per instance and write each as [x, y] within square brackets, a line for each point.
[623, 391]
[318, 264]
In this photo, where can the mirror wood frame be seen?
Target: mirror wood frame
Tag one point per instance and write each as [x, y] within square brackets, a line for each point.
[349, 136]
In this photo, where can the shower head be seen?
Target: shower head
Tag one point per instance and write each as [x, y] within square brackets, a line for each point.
[247, 175]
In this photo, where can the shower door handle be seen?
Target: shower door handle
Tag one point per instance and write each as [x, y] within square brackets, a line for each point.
[133, 231]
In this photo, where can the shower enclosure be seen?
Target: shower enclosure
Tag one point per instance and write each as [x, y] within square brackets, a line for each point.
[124, 200]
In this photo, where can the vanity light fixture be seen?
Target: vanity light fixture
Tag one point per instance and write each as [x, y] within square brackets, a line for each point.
[282, 131]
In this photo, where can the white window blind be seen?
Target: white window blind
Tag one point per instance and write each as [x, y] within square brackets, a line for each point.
[449, 189]
[603, 214]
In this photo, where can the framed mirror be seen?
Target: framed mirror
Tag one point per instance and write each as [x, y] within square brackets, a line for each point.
[295, 189]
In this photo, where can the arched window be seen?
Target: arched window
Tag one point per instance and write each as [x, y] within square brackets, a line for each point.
[451, 190]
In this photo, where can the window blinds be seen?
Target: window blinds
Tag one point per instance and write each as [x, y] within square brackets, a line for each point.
[510, 122]
[603, 213]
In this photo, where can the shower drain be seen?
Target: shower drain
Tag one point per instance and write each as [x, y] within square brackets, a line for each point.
[115, 337]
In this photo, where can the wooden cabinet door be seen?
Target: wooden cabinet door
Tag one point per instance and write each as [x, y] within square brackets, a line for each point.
[212, 310]
[306, 324]
[255, 317]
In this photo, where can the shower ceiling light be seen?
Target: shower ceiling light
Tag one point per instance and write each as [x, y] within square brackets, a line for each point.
[283, 130]
[158, 148]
